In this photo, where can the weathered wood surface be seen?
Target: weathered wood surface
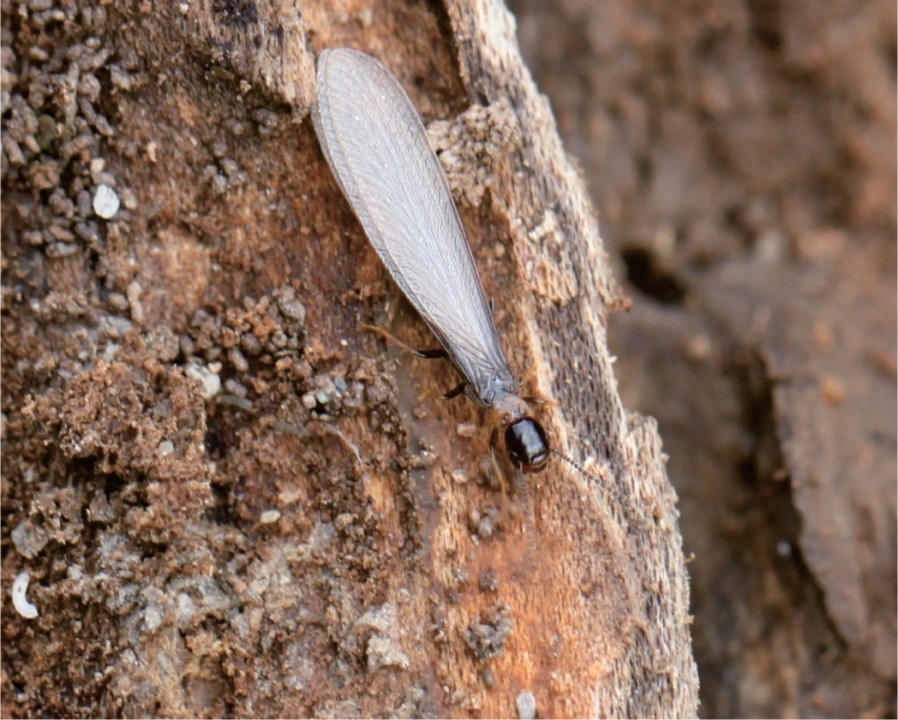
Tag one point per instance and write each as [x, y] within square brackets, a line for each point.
[318, 538]
[753, 209]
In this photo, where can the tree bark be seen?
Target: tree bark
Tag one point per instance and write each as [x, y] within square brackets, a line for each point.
[320, 534]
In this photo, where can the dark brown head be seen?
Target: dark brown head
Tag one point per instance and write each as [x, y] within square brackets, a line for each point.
[527, 444]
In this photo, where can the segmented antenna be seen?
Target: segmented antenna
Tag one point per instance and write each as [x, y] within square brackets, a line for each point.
[612, 492]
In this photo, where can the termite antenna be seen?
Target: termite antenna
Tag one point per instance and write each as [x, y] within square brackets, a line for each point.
[613, 493]
[574, 464]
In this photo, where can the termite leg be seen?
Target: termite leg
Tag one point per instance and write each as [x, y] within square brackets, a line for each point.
[434, 353]
[455, 392]
[496, 470]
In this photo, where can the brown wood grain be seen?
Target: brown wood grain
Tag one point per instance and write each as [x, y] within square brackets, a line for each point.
[394, 578]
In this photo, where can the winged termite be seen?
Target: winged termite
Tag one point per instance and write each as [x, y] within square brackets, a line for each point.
[375, 143]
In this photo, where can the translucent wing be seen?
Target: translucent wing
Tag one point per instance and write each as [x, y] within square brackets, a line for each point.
[376, 146]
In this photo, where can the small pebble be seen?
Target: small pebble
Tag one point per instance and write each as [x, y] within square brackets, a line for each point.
[61, 249]
[229, 166]
[210, 380]
[290, 307]
[133, 292]
[265, 117]
[219, 148]
[84, 203]
[129, 199]
[236, 388]
[120, 78]
[106, 203]
[526, 704]
[219, 184]
[152, 617]
[117, 302]
[237, 359]
[34, 237]
[459, 476]
[28, 539]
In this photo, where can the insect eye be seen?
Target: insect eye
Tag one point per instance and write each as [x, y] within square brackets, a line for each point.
[527, 445]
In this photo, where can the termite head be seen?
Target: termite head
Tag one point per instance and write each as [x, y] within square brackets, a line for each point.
[527, 444]
[525, 440]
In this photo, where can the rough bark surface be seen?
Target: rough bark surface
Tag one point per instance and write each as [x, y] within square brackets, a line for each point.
[742, 156]
[230, 498]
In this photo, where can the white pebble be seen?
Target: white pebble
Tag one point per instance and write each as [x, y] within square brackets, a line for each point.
[526, 706]
[459, 476]
[19, 601]
[185, 608]
[210, 380]
[270, 516]
[106, 202]
[152, 617]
